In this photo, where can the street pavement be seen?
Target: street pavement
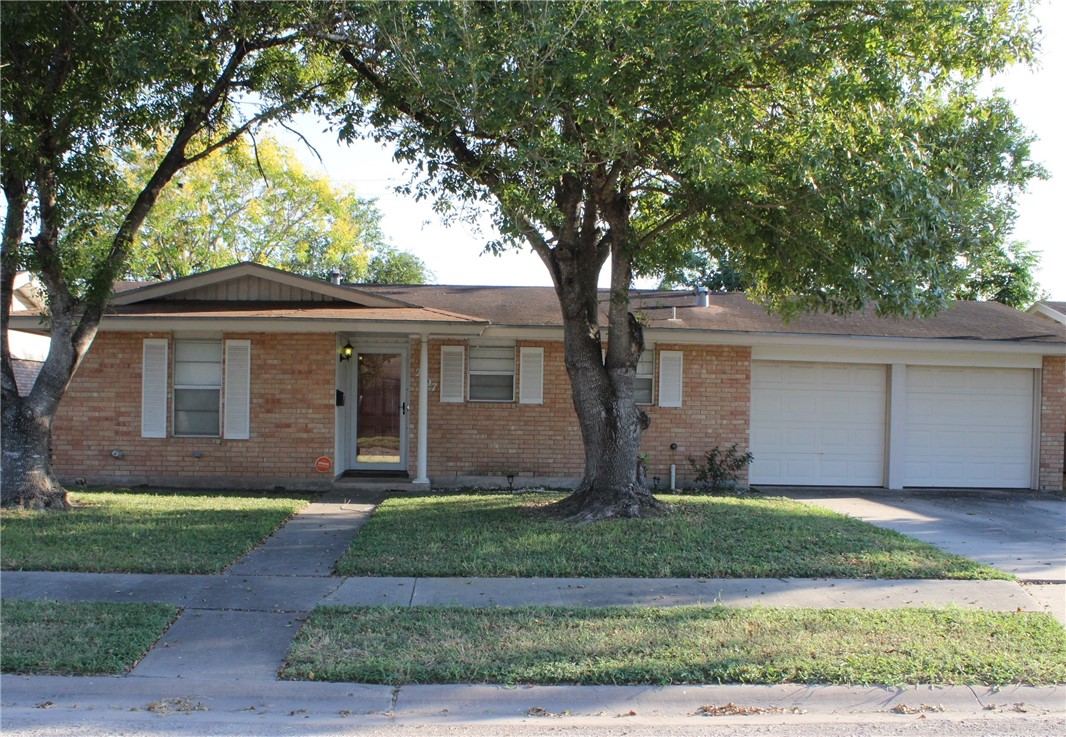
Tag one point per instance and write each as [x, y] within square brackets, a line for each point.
[215, 670]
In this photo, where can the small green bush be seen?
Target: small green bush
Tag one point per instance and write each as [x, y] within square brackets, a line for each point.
[720, 469]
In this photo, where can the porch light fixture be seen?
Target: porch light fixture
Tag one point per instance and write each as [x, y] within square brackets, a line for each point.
[347, 351]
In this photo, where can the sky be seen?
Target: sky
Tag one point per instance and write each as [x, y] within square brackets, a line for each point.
[454, 253]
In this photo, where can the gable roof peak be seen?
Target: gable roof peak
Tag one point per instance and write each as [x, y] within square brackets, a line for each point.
[207, 284]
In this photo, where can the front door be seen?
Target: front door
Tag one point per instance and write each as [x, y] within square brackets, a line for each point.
[379, 415]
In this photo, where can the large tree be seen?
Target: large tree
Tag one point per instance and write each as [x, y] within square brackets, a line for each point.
[839, 153]
[80, 82]
[256, 202]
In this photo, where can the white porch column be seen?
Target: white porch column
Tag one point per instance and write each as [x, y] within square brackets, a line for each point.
[423, 412]
[897, 425]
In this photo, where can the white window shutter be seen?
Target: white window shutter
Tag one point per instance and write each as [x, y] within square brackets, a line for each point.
[670, 378]
[531, 388]
[154, 366]
[452, 374]
[238, 389]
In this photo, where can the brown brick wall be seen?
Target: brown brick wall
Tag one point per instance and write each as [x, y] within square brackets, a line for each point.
[715, 410]
[490, 439]
[292, 417]
[1052, 422]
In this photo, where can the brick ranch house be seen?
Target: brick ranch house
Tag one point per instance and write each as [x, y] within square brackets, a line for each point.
[251, 377]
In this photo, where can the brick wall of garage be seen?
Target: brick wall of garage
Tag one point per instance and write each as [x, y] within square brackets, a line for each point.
[493, 439]
[292, 418]
[1052, 422]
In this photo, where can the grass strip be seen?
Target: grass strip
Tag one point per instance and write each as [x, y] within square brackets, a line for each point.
[78, 638]
[684, 645]
[143, 532]
[704, 536]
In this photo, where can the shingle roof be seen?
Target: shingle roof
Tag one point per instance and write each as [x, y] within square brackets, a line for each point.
[287, 310]
[734, 312]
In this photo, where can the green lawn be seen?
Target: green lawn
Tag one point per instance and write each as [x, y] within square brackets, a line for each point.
[686, 645]
[143, 532]
[80, 639]
[705, 536]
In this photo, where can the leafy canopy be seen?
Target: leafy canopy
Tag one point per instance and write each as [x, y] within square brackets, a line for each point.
[838, 153]
[256, 202]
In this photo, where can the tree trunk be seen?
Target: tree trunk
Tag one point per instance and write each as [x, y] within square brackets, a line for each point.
[27, 478]
[602, 390]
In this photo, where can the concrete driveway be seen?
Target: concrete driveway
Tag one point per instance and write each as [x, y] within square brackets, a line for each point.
[1019, 532]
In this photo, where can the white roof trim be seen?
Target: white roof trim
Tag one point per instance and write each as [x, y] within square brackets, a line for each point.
[1047, 311]
[237, 271]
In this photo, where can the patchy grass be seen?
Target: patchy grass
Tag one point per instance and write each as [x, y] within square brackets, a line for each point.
[685, 645]
[79, 638]
[143, 532]
[704, 536]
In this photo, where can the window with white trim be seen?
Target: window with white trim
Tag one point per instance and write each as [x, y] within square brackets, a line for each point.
[197, 387]
[492, 370]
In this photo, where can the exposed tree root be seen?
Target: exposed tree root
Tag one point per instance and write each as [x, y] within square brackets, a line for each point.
[589, 504]
[38, 493]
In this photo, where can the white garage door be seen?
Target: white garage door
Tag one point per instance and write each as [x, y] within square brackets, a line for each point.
[969, 427]
[817, 424]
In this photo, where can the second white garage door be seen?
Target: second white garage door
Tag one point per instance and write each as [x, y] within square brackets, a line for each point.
[969, 427]
[818, 424]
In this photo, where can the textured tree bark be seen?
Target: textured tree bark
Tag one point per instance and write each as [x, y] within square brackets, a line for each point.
[602, 391]
[26, 476]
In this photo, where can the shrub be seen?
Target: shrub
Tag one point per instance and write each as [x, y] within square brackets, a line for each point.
[720, 469]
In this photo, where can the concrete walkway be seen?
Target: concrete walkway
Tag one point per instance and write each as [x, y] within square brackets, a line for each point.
[236, 627]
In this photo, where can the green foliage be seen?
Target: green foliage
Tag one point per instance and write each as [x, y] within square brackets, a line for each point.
[695, 270]
[837, 153]
[123, 531]
[390, 266]
[1004, 275]
[79, 638]
[257, 203]
[720, 469]
[83, 80]
[702, 536]
[682, 645]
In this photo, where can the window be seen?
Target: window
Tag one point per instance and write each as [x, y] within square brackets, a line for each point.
[645, 378]
[491, 373]
[197, 387]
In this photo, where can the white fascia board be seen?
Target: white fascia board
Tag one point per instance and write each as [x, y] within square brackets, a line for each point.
[909, 356]
[861, 343]
[284, 325]
[228, 273]
[1044, 310]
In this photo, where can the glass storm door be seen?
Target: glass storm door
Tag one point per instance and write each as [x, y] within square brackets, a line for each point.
[381, 410]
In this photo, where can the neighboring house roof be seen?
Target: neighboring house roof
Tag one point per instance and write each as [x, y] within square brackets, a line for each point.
[1050, 310]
